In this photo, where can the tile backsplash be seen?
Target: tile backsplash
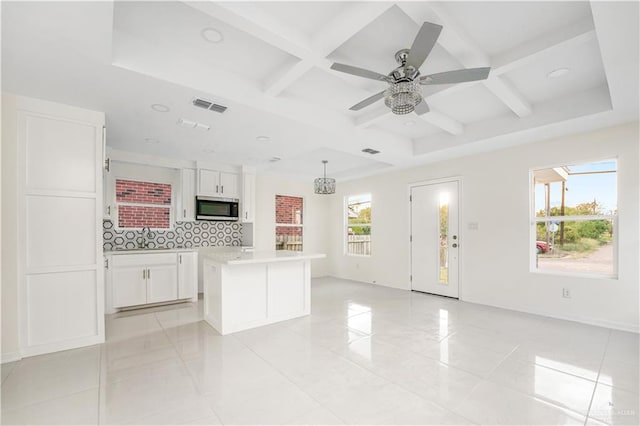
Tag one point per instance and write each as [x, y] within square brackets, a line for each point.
[184, 234]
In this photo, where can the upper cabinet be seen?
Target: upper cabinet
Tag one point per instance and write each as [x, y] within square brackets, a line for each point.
[213, 183]
[248, 197]
[187, 212]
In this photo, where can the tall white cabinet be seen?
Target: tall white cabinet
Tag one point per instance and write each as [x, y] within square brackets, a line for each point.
[60, 270]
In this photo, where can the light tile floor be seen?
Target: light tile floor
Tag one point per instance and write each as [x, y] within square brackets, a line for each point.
[366, 355]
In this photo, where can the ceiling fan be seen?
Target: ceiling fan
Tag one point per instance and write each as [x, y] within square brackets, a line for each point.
[404, 94]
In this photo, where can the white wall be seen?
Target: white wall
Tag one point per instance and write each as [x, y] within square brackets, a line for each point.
[494, 266]
[315, 216]
[10, 339]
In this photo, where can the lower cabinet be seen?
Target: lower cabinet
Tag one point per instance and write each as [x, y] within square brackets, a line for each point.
[145, 278]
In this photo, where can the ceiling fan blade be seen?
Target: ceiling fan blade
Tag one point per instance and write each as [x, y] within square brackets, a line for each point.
[423, 44]
[457, 76]
[368, 101]
[360, 72]
[422, 108]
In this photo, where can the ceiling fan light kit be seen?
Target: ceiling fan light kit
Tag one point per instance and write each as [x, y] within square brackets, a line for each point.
[404, 94]
[324, 185]
[403, 97]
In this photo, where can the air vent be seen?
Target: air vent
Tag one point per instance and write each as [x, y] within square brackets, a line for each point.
[205, 104]
[371, 151]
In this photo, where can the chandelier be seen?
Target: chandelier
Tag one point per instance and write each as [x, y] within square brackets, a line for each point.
[324, 185]
[402, 97]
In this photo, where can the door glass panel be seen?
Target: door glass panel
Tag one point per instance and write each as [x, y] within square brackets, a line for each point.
[443, 252]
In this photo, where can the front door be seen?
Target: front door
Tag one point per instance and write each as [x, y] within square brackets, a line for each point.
[434, 238]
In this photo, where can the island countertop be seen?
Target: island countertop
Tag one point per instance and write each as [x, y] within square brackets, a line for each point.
[265, 256]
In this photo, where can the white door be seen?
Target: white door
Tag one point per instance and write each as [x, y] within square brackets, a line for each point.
[162, 283]
[434, 238]
[208, 182]
[228, 185]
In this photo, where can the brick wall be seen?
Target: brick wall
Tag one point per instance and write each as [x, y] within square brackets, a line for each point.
[289, 210]
[156, 196]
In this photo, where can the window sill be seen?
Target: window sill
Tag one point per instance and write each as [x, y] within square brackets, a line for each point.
[612, 277]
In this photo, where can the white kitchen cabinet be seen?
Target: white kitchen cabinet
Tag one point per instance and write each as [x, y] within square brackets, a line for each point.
[130, 287]
[162, 283]
[188, 276]
[248, 197]
[59, 203]
[187, 212]
[213, 183]
[135, 279]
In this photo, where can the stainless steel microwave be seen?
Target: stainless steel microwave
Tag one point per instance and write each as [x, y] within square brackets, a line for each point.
[210, 208]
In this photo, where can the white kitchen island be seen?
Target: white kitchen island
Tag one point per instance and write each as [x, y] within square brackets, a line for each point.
[244, 290]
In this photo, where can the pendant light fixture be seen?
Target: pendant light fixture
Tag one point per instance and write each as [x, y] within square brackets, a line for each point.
[324, 185]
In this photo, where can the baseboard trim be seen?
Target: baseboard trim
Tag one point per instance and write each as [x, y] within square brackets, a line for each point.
[10, 357]
[615, 325]
[62, 346]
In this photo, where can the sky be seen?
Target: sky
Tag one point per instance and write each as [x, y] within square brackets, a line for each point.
[584, 188]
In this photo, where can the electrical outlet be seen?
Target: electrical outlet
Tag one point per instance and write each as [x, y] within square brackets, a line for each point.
[566, 293]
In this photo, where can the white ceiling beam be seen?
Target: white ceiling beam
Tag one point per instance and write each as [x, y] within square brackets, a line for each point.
[347, 24]
[444, 122]
[510, 96]
[276, 85]
[530, 51]
[461, 46]
[372, 117]
[330, 37]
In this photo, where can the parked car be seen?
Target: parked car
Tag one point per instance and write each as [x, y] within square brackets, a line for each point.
[543, 247]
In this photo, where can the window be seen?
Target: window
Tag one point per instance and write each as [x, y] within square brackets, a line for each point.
[141, 204]
[289, 219]
[574, 218]
[358, 224]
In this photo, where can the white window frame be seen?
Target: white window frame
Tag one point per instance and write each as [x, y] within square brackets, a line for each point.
[347, 225]
[290, 225]
[534, 220]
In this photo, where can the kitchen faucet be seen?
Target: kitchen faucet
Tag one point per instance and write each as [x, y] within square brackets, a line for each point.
[143, 242]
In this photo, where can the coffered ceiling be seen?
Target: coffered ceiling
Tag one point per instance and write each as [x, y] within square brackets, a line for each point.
[269, 63]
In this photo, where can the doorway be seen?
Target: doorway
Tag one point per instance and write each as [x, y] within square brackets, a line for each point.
[434, 237]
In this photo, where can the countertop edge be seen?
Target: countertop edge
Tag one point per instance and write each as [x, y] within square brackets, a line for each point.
[310, 256]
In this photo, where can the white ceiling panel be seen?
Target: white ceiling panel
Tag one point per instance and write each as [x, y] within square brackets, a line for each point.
[585, 72]
[410, 126]
[272, 71]
[501, 25]
[469, 105]
[328, 89]
[307, 17]
[176, 28]
[340, 164]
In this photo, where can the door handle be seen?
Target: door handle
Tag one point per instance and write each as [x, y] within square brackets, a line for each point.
[454, 245]
[144, 274]
[216, 188]
[148, 273]
[222, 189]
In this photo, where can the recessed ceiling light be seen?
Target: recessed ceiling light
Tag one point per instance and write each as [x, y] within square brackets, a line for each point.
[409, 123]
[212, 35]
[160, 108]
[274, 159]
[151, 140]
[558, 73]
[263, 138]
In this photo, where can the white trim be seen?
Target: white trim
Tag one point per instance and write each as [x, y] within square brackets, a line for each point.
[66, 344]
[616, 325]
[458, 179]
[10, 357]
